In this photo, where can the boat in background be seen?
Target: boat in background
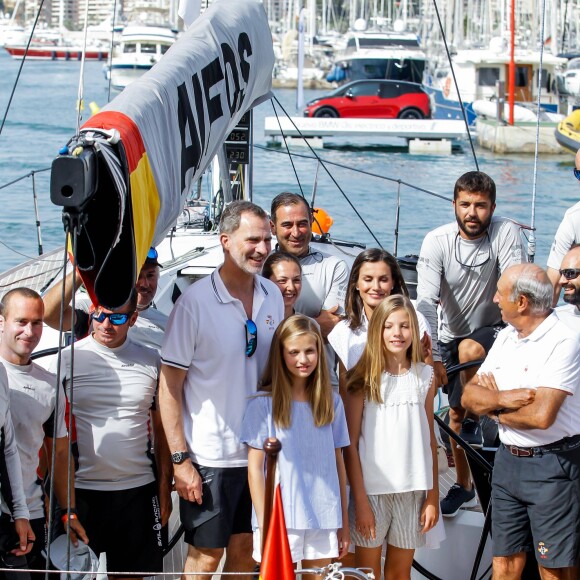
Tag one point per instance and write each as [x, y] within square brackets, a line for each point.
[379, 54]
[478, 72]
[56, 46]
[141, 47]
[567, 132]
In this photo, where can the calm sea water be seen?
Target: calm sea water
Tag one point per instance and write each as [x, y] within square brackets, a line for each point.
[43, 116]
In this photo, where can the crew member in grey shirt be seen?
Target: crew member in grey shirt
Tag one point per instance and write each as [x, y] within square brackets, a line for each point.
[324, 276]
[16, 535]
[458, 269]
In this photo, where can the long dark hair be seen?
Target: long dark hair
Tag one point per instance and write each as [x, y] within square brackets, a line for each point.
[354, 304]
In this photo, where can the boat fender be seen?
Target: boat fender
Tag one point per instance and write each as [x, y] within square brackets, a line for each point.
[322, 221]
[63, 150]
[447, 87]
[53, 55]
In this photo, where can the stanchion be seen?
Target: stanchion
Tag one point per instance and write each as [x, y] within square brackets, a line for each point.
[271, 447]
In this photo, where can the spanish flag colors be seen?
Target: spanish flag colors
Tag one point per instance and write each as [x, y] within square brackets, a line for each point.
[162, 132]
[276, 558]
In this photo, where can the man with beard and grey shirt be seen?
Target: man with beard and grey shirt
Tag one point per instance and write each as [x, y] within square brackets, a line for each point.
[569, 280]
[458, 269]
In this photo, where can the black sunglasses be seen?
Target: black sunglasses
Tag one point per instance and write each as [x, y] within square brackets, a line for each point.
[251, 337]
[577, 173]
[115, 318]
[570, 273]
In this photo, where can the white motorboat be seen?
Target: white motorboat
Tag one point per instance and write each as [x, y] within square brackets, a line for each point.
[478, 71]
[141, 47]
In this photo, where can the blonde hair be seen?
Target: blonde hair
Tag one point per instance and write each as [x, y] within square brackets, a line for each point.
[277, 379]
[366, 374]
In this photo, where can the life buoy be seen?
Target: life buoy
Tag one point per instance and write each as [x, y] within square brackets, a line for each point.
[447, 87]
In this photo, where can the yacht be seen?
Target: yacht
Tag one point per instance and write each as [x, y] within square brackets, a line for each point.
[478, 71]
[379, 55]
[140, 48]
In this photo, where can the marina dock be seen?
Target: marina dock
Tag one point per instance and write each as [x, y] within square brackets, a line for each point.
[423, 135]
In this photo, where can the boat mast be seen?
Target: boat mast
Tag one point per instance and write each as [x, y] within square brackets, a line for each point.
[512, 66]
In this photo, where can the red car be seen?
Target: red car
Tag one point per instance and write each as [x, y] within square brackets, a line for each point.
[373, 99]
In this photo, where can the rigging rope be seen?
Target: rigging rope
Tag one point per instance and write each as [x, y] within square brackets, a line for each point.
[21, 65]
[82, 73]
[111, 49]
[532, 238]
[456, 85]
[51, 509]
[286, 145]
[327, 172]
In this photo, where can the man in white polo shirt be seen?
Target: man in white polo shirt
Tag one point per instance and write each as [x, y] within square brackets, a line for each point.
[216, 346]
[529, 385]
[569, 281]
[35, 412]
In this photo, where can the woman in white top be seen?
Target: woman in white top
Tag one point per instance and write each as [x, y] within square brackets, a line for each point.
[375, 275]
[391, 462]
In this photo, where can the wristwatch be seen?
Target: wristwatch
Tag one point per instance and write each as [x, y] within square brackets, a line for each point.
[179, 457]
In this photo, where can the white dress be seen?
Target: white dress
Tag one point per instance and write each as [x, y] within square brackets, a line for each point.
[395, 439]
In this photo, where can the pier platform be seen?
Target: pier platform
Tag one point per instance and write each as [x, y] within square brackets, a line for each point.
[423, 135]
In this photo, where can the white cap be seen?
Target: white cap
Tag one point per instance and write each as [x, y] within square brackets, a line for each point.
[83, 561]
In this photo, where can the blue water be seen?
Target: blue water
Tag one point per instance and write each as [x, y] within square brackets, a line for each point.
[43, 116]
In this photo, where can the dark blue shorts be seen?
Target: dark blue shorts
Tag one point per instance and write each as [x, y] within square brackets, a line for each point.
[450, 356]
[226, 508]
[536, 506]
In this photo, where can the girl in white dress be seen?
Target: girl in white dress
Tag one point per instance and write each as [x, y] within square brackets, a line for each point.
[392, 459]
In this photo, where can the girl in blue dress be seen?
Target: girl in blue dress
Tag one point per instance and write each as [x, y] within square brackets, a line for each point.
[298, 406]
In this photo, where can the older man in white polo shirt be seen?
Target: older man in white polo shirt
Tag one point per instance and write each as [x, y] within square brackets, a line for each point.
[216, 347]
[528, 384]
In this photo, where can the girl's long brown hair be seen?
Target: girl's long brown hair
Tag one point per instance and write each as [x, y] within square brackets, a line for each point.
[277, 380]
[366, 374]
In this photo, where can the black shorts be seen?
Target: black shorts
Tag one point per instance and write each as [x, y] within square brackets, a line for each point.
[450, 355]
[126, 524]
[536, 506]
[226, 508]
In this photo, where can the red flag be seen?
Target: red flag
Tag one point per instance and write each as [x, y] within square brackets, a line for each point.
[276, 558]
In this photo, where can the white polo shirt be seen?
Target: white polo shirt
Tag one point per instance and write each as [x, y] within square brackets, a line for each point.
[570, 316]
[567, 235]
[206, 334]
[549, 357]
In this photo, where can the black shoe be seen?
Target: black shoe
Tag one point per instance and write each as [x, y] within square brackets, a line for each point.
[471, 433]
[457, 497]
